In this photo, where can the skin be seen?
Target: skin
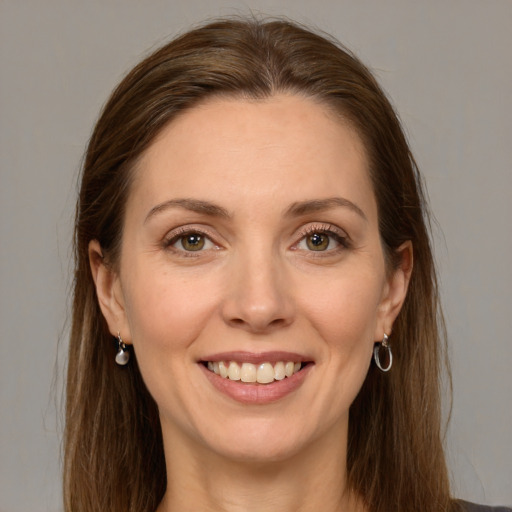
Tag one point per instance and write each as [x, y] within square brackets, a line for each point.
[255, 286]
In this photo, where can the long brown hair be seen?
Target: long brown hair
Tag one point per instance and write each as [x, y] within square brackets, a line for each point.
[113, 444]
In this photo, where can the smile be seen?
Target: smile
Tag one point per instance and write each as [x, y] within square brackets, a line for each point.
[263, 373]
[256, 378]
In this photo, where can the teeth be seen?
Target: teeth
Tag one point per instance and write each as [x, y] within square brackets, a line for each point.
[248, 372]
[263, 373]
[279, 372]
[233, 371]
[223, 369]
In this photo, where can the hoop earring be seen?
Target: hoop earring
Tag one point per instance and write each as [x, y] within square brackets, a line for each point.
[376, 354]
[122, 356]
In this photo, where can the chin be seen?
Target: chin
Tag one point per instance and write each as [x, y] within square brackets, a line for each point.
[260, 448]
[263, 440]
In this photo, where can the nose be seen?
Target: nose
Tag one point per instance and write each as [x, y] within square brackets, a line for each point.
[259, 295]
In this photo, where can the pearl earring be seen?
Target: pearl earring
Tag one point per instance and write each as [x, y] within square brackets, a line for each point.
[122, 356]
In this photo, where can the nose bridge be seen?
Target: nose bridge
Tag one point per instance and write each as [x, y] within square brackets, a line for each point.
[258, 299]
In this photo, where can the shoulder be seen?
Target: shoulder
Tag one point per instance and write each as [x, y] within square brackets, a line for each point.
[472, 507]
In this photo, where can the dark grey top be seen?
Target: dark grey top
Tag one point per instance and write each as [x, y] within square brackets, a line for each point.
[471, 507]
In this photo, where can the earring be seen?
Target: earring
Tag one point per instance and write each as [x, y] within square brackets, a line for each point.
[122, 356]
[389, 356]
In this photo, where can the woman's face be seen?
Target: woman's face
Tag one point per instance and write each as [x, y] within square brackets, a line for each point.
[251, 248]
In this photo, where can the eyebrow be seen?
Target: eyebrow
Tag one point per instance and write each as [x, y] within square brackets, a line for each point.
[294, 210]
[318, 205]
[193, 205]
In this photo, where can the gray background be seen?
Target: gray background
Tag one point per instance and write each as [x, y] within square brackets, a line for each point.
[447, 66]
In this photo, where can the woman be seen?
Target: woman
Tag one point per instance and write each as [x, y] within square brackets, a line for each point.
[251, 244]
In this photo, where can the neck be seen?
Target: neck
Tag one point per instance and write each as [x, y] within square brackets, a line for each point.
[311, 480]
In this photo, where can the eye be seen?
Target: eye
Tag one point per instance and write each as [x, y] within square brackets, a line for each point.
[318, 241]
[322, 240]
[191, 241]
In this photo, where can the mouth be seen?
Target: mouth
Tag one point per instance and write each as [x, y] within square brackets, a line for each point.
[255, 373]
[256, 378]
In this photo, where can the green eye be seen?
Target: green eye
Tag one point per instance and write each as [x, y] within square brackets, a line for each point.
[317, 241]
[184, 242]
[192, 242]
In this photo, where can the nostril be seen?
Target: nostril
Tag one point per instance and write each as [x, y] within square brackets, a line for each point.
[257, 312]
[277, 322]
[257, 325]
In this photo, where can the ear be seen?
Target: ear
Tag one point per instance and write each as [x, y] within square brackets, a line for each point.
[395, 291]
[109, 293]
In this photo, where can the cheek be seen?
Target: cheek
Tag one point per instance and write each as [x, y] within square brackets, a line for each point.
[166, 313]
[346, 310]
[165, 317]
[348, 322]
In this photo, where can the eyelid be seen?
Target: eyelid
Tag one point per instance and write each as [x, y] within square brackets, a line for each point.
[340, 236]
[175, 234]
[322, 227]
[329, 229]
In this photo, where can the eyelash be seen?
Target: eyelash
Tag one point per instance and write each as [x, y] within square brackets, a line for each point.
[329, 230]
[321, 229]
[180, 234]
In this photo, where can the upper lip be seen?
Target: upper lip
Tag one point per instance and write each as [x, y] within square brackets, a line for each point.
[256, 357]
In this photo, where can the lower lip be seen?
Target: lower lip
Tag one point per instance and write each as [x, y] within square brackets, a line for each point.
[257, 393]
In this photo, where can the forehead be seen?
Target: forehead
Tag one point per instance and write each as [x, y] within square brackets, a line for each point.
[287, 147]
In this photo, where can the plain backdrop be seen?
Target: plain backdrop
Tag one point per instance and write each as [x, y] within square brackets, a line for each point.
[447, 67]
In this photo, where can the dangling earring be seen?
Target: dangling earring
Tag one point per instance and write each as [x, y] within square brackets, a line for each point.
[122, 356]
[376, 354]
